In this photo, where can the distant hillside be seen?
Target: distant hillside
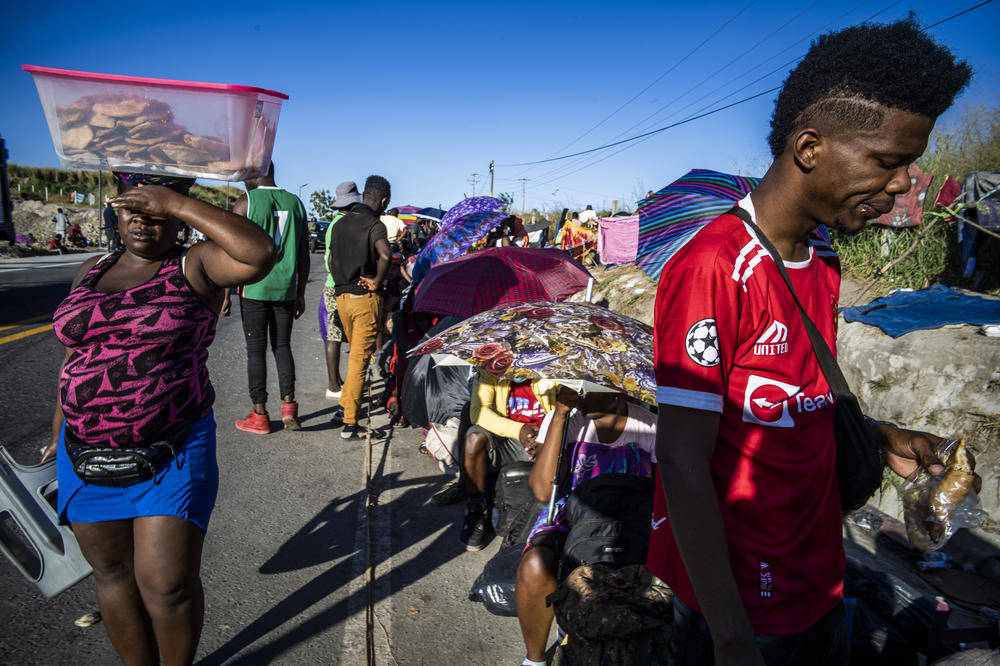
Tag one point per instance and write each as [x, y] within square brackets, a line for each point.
[30, 184]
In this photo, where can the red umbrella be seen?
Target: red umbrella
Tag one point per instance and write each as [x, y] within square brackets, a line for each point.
[496, 276]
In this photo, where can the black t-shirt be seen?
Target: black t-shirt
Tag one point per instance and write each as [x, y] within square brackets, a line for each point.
[352, 248]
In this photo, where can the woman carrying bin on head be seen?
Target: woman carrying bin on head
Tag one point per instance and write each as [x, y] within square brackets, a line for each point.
[134, 388]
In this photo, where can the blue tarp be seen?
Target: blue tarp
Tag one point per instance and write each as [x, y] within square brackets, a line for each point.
[937, 306]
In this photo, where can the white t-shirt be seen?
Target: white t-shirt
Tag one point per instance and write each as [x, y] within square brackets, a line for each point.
[640, 429]
[393, 227]
[588, 215]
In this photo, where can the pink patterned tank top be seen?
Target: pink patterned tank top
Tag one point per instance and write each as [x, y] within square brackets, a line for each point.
[138, 368]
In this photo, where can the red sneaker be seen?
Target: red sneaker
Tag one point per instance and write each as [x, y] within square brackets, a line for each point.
[290, 415]
[255, 423]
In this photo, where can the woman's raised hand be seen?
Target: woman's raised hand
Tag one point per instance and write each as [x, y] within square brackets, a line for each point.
[153, 200]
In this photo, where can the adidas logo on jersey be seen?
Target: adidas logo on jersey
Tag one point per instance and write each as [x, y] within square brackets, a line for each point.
[774, 341]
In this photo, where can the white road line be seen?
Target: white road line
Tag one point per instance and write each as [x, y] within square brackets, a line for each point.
[39, 265]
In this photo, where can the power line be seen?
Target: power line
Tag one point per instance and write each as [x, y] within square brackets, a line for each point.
[752, 68]
[643, 136]
[964, 11]
[724, 67]
[655, 81]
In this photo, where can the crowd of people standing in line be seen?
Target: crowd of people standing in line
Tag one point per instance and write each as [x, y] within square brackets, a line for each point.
[746, 520]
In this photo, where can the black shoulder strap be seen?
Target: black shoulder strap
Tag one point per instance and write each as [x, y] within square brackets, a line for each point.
[827, 361]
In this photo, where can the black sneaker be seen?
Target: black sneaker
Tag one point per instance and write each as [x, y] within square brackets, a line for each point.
[477, 531]
[337, 417]
[451, 493]
[352, 431]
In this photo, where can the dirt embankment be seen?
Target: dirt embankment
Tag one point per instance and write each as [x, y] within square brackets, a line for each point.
[945, 381]
[35, 218]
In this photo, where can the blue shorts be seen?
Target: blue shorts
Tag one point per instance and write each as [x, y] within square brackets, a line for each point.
[188, 492]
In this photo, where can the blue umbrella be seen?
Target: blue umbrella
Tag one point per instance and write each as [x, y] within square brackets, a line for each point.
[430, 214]
[454, 239]
[469, 206]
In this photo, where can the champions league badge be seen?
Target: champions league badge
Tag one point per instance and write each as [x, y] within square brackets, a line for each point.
[702, 343]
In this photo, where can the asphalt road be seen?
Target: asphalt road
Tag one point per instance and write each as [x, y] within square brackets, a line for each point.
[287, 549]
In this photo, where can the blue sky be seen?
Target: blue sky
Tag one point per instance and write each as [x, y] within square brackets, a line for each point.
[428, 93]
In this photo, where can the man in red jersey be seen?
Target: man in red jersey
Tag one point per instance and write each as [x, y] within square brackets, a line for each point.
[747, 523]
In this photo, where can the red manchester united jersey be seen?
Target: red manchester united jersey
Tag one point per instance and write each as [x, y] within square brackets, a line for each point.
[729, 338]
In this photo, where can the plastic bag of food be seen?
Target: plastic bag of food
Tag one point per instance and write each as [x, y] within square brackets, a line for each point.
[934, 507]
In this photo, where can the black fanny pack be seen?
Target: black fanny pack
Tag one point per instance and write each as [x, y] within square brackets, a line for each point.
[118, 467]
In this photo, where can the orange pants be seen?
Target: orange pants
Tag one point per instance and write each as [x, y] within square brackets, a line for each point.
[360, 315]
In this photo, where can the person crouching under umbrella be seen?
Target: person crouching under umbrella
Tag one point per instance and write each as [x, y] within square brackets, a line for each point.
[604, 432]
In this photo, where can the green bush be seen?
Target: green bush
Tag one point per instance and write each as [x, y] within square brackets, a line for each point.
[971, 142]
[935, 258]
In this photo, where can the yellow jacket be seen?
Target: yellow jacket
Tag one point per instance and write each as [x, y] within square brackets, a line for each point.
[489, 404]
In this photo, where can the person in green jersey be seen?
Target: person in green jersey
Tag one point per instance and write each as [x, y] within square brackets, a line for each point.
[268, 307]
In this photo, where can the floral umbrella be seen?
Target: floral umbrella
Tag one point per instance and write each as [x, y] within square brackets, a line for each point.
[582, 346]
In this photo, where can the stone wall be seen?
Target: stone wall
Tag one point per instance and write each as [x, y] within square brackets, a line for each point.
[945, 381]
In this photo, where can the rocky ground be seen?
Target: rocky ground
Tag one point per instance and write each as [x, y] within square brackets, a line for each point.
[945, 381]
[35, 217]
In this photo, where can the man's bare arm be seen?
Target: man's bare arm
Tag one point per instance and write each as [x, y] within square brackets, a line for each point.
[685, 441]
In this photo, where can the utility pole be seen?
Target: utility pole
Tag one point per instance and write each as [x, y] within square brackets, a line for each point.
[523, 181]
[491, 177]
[473, 181]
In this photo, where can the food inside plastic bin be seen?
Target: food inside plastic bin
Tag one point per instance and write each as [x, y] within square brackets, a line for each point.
[934, 507]
[135, 129]
[187, 128]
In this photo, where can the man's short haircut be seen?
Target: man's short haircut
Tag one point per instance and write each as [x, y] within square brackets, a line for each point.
[376, 189]
[849, 78]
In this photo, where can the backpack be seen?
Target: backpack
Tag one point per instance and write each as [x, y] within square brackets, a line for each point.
[608, 518]
[613, 617]
[516, 504]
[517, 508]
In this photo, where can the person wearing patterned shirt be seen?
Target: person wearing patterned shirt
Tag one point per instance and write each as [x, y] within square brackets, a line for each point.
[746, 526]
[137, 325]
